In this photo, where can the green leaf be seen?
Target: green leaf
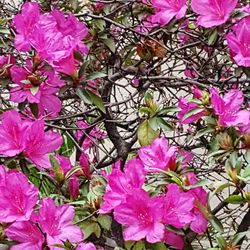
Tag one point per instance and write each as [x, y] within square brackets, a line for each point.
[238, 237]
[216, 224]
[100, 24]
[235, 199]
[158, 246]
[170, 109]
[216, 153]
[213, 38]
[90, 227]
[129, 244]
[110, 44]
[203, 132]
[96, 100]
[164, 125]
[192, 112]
[246, 172]
[140, 245]
[146, 134]
[91, 98]
[221, 241]
[84, 96]
[105, 221]
[95, 75]
[34, 90]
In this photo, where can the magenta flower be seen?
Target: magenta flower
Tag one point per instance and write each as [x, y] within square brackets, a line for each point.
[174, 240]
[199, 222]
[19, 136]
[168, 9]
[39, 87]
[84, 162]
[43, 31]
[122, 183]
[12, 134]
[24, 24]
[177, 207]
[141, 216]
[228, 108]
[213, 12]
[185, 107]
[238, 41]
[66, 166]
[95, 134]
[17, 197]
[27, 234]
[158, 156]
[86, 246]
[56, 223]
[39, 143]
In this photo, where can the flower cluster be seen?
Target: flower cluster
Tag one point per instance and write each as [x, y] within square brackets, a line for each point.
[227, 110]
[42, 33]
[33, 229]
[23, 136]
[145, 216]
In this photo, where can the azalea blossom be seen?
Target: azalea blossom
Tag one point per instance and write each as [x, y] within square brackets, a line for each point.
[38, 144]
[39, 87]
[165, 10]
[199, 222]
[173, 239]
[17, 197]
[213, 12]
[94, 134]
[27, 137]
[158, 156]
[122, 183]
[43, 31]
[187, 106]
[239, 42]
[141, 216]
[12, 134]
[227, 108]
[86, 246]
[56, 223]
[27, 234]
[177, 207]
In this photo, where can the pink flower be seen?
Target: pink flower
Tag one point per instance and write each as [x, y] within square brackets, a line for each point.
[185, 107]
[43, 31]
[238, 41]
[91, 137]
[122, 183]
[27, 234]
[177, 207]
[158, 156]
[39, 143]
[17, 197]
[56, 223]
[39, 87]
[174, 240]
[213, 12]
[12, 134]
[199, 222]
[84, 162]
[168, 9]
[24, 24]
[86, 246]
[228, 108]
[19, 136]
[141, 216]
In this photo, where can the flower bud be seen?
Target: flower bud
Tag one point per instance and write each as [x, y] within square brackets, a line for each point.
[225, 141]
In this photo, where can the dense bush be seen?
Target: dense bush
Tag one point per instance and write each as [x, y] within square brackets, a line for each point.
[125, 124]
